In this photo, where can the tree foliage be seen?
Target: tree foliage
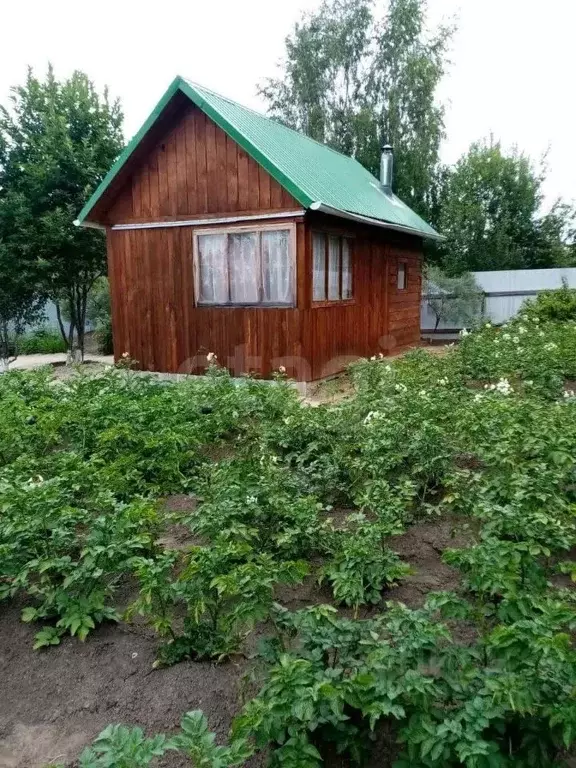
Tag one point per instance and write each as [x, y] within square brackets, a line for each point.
[58, 139]
[20, 300]
[490, 214]
[453, 299]
[355, 80]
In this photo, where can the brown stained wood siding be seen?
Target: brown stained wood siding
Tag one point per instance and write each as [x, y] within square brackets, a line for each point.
[156, 322]
[194, 168]
[381, 319]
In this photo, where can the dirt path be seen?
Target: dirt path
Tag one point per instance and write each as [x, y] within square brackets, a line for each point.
[29, 362]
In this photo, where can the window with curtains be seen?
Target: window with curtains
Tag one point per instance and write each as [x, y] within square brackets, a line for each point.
[332, 270]
[245, 266]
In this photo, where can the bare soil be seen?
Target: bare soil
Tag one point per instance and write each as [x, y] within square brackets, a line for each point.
[54, 702]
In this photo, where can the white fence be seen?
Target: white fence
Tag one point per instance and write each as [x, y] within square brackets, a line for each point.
[505, 291]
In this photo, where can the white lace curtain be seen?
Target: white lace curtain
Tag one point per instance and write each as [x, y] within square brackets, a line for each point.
[213, 268]
[245, 268]
[332, 267]
[277, 267]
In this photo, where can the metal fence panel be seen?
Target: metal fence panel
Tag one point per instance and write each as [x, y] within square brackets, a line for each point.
[506, 290]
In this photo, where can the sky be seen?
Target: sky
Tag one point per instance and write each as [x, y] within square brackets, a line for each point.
[511, 73]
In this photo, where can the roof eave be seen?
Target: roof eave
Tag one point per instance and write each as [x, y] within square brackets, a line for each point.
[323, 208]
[90, 224]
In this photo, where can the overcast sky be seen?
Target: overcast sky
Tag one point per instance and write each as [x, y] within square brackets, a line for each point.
[512, 72]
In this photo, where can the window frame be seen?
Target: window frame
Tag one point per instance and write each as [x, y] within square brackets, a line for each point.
[403, 263]
[257, 229]
[327, 234]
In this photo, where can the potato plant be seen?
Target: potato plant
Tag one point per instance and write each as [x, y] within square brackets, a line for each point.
[221, 591]
[360, 564]
[483, 435]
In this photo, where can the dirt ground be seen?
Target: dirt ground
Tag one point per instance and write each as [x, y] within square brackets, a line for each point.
[339, 387]
[54, 702]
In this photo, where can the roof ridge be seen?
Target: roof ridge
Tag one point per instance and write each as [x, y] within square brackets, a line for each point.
[195, 84]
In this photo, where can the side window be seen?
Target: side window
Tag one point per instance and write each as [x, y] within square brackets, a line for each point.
[331, 268]
[402, 276]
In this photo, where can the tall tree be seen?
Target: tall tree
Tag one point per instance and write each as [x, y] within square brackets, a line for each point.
[60, 138]
[355, 81]
[490, 214]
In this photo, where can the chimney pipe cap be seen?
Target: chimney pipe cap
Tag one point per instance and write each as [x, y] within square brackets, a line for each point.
[387, 148]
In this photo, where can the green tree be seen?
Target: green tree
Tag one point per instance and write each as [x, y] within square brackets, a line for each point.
[490, 214]
[21, 302]
[355, 81]
[59, 139]
[99, 313]
[453, 299]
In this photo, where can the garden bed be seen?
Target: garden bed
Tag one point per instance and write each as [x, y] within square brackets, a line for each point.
[55, 702]
[389, 576]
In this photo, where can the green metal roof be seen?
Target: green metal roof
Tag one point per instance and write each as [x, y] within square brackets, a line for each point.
[315, 175]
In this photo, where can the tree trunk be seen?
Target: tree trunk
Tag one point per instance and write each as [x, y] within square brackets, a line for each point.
[77, 299]
[70, 352]
[81, 304]
[60, 322]
[5, 348]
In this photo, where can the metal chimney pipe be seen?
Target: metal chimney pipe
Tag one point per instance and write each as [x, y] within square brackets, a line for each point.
[387, 167]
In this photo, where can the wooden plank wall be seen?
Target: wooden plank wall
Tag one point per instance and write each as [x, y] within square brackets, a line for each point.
[404, 306]
[155, 321]
[194, 168]
[382, 318]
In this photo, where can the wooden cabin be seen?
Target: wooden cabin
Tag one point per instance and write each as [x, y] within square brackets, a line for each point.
[230, 233]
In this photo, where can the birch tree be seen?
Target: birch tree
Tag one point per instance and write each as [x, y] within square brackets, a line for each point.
[355, 79]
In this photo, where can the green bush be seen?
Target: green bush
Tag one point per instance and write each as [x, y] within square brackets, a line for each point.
[555, 306]
[98, 312]
[41, 341]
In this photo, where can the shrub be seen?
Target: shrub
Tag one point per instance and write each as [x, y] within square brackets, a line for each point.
[553, 306]
[454, 299]
[41, 341]
[98, 312]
